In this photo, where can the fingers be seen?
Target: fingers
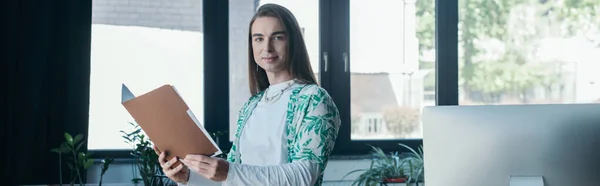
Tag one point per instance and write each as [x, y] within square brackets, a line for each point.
[195, 157]
[161, 158]
[170, 173]
[156, 150]
[167, 165]
[196, 166]
[201, 158]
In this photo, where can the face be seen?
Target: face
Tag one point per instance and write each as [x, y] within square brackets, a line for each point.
[269, 44]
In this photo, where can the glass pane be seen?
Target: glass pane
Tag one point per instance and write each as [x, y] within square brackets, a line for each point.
[240, 13]
[143, 44]
[529, 52]
[392, 62]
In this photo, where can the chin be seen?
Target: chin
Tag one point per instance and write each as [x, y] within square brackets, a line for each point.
[272, 69]
[272, 66]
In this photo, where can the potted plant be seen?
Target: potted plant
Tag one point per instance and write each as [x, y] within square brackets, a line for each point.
[146, 160]
[414, 164]
[393, 168]
[384, 168]
[77, 160]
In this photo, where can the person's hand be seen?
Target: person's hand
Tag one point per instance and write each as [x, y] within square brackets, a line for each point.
[215, 169]
[178, 174]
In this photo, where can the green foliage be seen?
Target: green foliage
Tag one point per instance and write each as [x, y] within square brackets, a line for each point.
[216, 136]
[425, 24]
[105, 163]
[577, 16]
[146, 159]
[416, 166]
[384, 166]
[77, 160]
[514, 26]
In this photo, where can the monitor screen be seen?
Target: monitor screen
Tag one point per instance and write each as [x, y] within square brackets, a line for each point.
[489, 145]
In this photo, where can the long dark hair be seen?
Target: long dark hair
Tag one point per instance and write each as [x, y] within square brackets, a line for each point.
[298, 63]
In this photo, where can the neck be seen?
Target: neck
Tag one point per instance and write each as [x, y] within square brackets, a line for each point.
[278, 77]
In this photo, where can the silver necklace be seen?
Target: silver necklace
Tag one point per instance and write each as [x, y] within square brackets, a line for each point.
[274, 98]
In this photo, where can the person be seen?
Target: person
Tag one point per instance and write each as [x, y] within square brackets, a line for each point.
[288, 127]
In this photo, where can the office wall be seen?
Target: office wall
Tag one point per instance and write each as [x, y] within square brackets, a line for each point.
[168, 14]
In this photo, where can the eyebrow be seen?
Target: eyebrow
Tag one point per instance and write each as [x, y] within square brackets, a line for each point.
[274, 33]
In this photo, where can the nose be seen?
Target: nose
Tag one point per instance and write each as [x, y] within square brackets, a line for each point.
[269, 46]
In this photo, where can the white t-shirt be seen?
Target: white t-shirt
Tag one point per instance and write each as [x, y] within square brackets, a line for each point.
[263, 139]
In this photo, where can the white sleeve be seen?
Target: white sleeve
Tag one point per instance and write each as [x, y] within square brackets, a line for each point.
[297, 173]
[197, 180]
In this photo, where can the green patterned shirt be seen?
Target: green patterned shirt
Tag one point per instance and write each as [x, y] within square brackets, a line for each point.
[312, 121]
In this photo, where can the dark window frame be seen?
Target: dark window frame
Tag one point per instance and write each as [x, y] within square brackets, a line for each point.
[334, 36]
[338, 84]
[216, 75]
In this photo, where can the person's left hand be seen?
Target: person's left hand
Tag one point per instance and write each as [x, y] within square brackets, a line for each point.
[215, 169]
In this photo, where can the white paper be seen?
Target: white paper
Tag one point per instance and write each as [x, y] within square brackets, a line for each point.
[126, 94]
[526, 181]
[191, 114]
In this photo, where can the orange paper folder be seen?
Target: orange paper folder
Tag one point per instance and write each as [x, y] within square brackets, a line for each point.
[169, 123]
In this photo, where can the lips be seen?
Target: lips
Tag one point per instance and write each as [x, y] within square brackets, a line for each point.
[270, 59]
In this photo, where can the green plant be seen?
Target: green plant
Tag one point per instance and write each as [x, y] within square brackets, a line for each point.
[216, 136]
[415, 164]
[105, 163]
[146, 159]
[382, 167]
[77, 160]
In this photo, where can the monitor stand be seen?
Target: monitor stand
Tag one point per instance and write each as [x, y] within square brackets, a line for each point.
[526, 181]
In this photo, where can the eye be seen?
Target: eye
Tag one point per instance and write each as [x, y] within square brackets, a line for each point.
[258, 39]
[278, 38]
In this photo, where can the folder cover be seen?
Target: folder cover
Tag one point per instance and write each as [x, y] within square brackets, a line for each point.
[169, 123]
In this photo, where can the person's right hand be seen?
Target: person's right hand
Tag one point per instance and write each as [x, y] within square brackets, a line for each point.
[178, 174]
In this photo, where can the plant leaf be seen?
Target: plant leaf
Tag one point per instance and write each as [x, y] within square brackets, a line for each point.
[81, 156]
[56, 150]
[77, 138]
[136, 180]
[78, 147]
[88, 163]
[65, 147]
[69, 138]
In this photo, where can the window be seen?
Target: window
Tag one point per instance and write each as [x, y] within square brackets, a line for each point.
[143, 44]
[392, 62]
[240, 13]
[375, 58]
[529, 52]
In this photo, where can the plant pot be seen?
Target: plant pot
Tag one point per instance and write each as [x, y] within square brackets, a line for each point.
[394, 180]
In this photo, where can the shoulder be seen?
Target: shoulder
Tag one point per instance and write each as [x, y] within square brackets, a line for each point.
[313, 97]
[313, 91]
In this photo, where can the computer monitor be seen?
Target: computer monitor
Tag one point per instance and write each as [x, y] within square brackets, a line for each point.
[487, 145]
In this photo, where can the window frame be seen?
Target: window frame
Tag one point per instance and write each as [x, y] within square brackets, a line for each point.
[215, 21]
[334, 40]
